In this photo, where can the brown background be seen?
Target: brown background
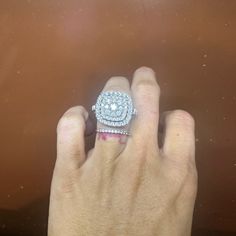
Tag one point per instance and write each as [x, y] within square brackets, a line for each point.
[57, 54]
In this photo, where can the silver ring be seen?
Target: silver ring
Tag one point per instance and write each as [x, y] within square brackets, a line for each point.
[113, 131]
[114, 108]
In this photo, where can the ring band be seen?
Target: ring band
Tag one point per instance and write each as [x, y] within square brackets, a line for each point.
[113, 131]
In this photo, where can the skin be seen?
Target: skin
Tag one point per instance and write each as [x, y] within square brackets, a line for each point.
[133, 187]
[104, 136]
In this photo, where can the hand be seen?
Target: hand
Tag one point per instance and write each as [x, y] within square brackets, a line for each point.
[126, 186]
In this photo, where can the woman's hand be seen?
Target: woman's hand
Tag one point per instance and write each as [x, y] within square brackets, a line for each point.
[126, 185]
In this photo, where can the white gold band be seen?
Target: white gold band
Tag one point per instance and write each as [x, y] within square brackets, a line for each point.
[113, 131]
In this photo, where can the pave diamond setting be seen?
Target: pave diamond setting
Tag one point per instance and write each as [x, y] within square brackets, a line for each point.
[114, 108]
[114, 131]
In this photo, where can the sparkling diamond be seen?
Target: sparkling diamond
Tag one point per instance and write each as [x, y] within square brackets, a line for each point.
[118, 113]
[113, 106]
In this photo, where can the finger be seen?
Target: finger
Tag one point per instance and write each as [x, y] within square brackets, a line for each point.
[179, 140]
[112, 144]
[70, 138]
[146, 93]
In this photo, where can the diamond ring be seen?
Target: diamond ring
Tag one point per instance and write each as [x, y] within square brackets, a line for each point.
[114, 108]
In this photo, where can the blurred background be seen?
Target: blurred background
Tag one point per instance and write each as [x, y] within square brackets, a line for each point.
[59, 53]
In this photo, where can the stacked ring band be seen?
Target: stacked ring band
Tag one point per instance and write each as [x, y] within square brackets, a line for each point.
[113, 131]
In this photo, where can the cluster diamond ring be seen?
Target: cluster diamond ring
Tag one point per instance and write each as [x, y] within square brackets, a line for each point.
[114, 109]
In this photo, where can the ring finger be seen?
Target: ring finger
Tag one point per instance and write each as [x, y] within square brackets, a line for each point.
[108, 143]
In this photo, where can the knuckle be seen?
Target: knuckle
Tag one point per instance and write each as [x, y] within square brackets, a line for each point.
[182, 116]
[190, 177]
[117, 80]
[145, 69]
[64, 182]
[191, 183]
[69, 120]
[194, 175]
[76, 109]
[147, 86]
[183, 171]
[191, 169]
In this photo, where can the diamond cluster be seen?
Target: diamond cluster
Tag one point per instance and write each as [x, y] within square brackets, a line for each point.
[114, 108]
